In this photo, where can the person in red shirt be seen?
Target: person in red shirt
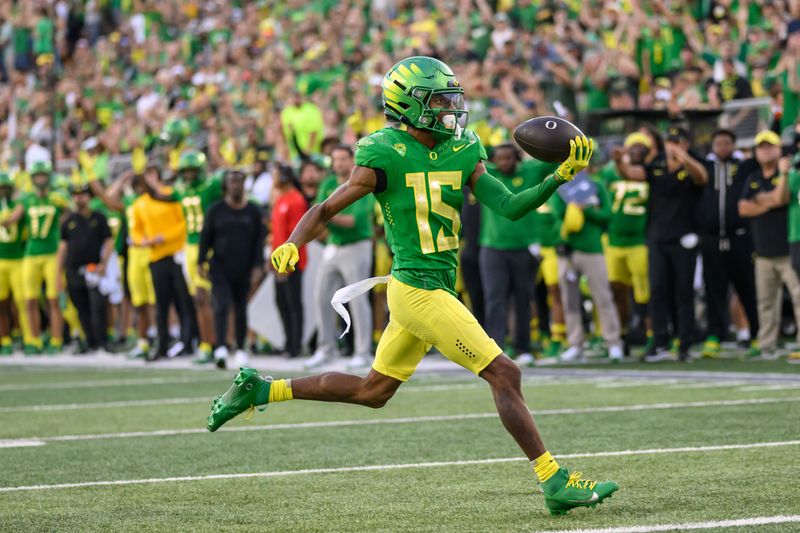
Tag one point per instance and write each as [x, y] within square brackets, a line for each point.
[287, 210]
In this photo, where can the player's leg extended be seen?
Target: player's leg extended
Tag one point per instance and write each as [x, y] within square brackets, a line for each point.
[462, 340]
[398, 354]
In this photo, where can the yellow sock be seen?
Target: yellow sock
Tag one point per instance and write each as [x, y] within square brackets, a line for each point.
[205, 347]
[558, 332]
[280, 390]
[56, 342]
[5, 341]
[37, 342]
[544, 466]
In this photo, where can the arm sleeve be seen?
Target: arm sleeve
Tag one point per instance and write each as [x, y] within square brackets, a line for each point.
[494, 195]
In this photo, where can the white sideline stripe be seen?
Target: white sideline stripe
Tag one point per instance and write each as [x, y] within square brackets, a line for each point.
[708, 385]
[20, 443]
[759, 388]
[642, 383]
[412, 420]
[109, 383]
[397, 466]
[739, 522]
[101, 405]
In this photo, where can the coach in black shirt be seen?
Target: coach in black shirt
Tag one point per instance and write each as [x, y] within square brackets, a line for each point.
[769, 226]
[233, 234]
[674, 177]
[83, 253]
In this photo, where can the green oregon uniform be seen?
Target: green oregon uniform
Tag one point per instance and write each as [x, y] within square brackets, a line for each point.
[11, 244]
[501, 233]
[42, 217]
[114, 219]
[196, 198]
[628, 224]
[361, 211]
[422, 201]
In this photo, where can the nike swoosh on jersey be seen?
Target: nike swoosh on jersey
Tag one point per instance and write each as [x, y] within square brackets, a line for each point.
[458, 148]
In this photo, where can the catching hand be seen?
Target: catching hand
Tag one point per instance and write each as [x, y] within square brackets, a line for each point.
[580, 152]
[285, 257]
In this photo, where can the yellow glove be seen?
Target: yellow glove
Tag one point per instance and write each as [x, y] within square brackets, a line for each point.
[573, 220]
[285, 257]
[580, 152]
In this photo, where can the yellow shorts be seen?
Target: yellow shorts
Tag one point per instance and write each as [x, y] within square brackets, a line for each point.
[383, 263]
[193, 279]
[140, 281]
[11, 279]
[35, 269]
[628, 265]
[549, 266]
[419, 319]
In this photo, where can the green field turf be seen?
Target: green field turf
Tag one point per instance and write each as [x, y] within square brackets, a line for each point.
[442, 461]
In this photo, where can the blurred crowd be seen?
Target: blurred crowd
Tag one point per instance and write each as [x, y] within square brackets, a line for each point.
[277, 93]
[118, 71]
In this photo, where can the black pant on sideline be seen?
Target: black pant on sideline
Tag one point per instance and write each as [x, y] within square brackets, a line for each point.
[471, 270]
[91, 306]
[504, 272]
[722, 268]
[671, 288]
[226, 291]
[170, 288]
[289, 296]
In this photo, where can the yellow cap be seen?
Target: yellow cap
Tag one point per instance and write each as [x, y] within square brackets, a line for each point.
[768, 136]
[638, 138]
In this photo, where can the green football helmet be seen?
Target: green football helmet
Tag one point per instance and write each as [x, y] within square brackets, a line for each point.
[192, 160]
[424, 93]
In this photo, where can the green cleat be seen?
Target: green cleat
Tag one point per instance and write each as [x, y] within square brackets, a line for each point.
[565, 491]
[711, 348]
[6, 349]
[249, 390]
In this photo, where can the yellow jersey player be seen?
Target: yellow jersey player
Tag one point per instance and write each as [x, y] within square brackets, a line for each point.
[416, 170]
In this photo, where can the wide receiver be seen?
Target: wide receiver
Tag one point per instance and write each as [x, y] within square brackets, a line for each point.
[416, 175]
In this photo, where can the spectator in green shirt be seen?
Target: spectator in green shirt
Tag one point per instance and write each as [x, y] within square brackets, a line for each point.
[303, 127]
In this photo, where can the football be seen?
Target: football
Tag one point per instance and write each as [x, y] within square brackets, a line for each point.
[546, 138]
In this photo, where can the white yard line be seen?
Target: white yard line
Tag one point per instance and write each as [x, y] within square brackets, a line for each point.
[712, 524]
[20, 443]
[418, 419]
[759, 388]
[397, 466]
[108, 383]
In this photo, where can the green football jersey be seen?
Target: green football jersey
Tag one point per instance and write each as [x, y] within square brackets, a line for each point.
[11, 244]
[42, 217]
[548, 226]
[794, 205]
[361, 211]
[114, 219]
[196, 198]
[501, 233]
[422, 201]
[628, 224]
